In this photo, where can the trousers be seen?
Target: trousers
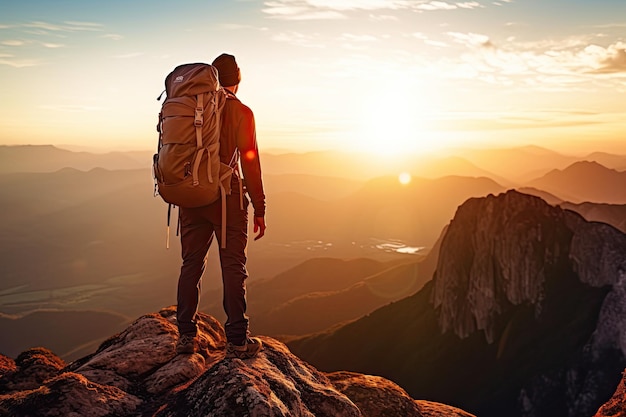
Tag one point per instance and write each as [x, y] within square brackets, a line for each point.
[198, 227]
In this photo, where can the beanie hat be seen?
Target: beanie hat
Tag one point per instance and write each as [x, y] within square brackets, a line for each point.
[227, 69]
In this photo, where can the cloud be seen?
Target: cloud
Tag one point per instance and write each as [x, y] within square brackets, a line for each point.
[12, 42]
[84, 25]
[545, 65]
[336, 9]
[113, 36]
[53, 45]
[471, 39]
[293, 10]
[67, 26]
[611, 60]
[129, 55]
[469, 5]
[360, 4]
[11, 61]
[436, 5]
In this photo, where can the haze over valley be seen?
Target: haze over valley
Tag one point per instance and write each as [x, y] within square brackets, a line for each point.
[83, 231]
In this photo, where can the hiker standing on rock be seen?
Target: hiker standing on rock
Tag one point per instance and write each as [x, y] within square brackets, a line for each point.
[199, 225]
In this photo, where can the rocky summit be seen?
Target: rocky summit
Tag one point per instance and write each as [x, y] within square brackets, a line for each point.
[138, 373]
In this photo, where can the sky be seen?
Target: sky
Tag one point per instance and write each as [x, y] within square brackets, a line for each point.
[386, 77]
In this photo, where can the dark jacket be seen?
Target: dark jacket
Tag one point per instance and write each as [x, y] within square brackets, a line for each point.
[238, 132]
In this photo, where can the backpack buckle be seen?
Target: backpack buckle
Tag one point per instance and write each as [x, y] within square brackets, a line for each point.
[199, 119]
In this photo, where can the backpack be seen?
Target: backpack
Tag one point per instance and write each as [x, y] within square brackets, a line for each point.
[186, 168]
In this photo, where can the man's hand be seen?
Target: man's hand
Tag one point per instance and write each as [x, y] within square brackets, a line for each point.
[259, 226]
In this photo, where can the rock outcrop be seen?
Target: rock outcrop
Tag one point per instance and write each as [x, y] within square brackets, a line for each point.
[526, 310]
[137, 373]
[515, 250]
[500, 251]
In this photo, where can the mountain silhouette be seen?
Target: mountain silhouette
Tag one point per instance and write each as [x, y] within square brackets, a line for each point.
[48, 158]
[524, 316]
[584, 181]
[314, 186]
[613, 214]
[515, 163]
[137, 373]
[544, 195]
[609, 160]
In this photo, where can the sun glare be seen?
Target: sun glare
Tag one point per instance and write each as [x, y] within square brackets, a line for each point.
[404, 178]
[389, 124]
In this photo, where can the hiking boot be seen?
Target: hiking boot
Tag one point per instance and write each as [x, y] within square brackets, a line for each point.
[186, 344]
[248, 350]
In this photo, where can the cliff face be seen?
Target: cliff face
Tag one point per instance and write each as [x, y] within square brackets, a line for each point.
[526, 307]
[514, 250]
[137, 373]
[502, 251]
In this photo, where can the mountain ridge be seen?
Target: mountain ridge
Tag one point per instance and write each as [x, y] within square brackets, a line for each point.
[584, 181]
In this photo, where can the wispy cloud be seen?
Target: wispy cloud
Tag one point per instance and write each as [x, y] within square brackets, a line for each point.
[113, 36]
[336, 9]
[84, 25]
[359, 4]
[469, 5]
[129, 55]
[543, 65]
[436, 5]
[53, 45]
[298, 10]
[12, 42]
[67, 26]
[471, 39]
[12, 61]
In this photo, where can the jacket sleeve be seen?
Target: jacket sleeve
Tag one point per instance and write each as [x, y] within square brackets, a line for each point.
[250, 162]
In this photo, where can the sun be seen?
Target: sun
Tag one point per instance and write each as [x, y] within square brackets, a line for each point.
[390, 124]
[404, 178]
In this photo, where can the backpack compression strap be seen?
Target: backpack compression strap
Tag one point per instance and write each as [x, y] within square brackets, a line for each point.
[198, 123]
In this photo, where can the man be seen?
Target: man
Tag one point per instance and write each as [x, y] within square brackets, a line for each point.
[199, 225]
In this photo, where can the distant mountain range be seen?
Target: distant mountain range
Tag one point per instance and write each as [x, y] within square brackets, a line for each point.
[524, 316]
[48, 158]
[507, 166]
[585, 181]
